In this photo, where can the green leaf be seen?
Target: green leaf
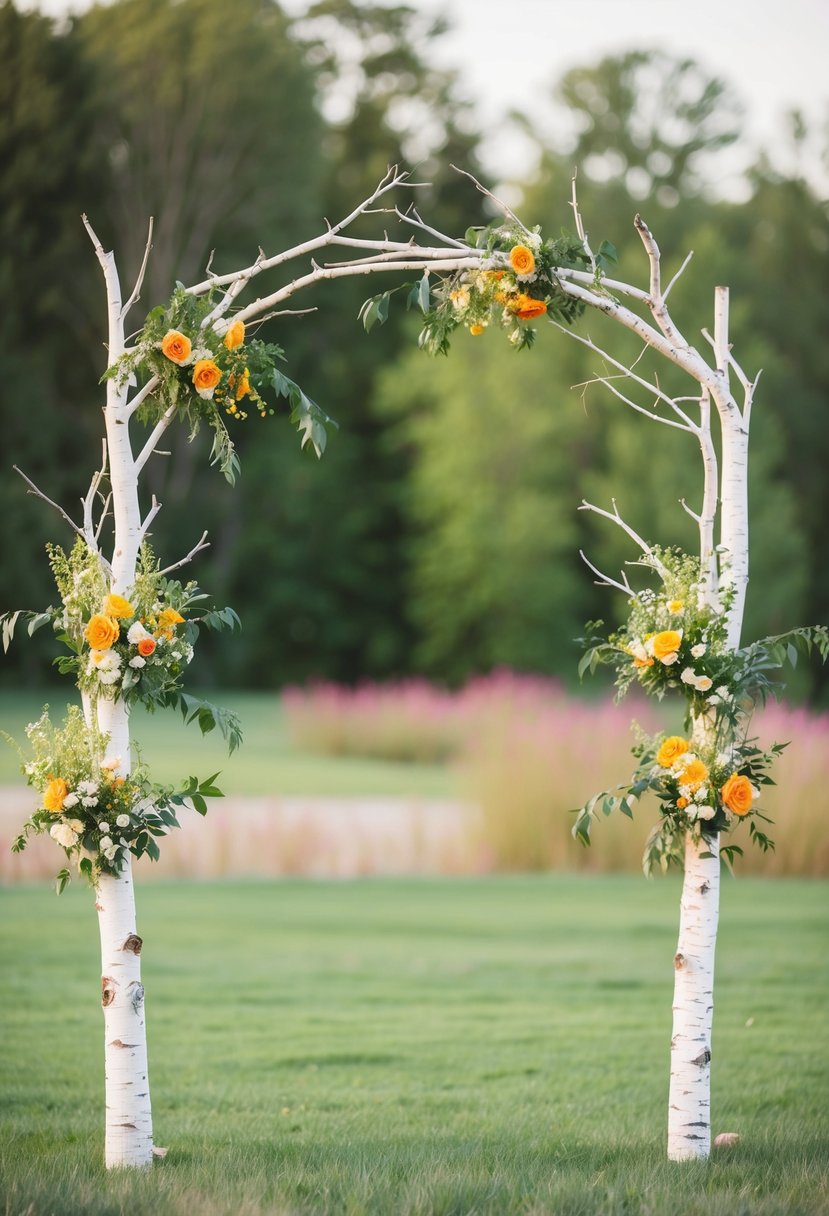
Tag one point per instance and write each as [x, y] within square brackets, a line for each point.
[424, 293]
[61, 879]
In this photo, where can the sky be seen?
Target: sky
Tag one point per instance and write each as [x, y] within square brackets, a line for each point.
[510, 52]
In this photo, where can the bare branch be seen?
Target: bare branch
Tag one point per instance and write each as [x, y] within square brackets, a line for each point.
[39, 494]
[697, 518]
[136, 291]
[411, 216]
[148, 519]
[580, 229]
[499, 203]
[616, 518]
[680, 272]
[656, 302]
[604, 580]
[686, 423]
[156, 433]
[203, 543]
[142, 395]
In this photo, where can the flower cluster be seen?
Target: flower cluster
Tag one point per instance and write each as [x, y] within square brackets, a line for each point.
[676, 639]
[136, 647]
[97, 816]
[519, 284]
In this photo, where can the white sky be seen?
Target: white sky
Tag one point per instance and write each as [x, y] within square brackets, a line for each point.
[510, 52]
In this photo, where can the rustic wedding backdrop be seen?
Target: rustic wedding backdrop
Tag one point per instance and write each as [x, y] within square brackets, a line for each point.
[129, 630]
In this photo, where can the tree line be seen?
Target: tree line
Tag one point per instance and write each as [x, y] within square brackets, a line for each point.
[440, 533]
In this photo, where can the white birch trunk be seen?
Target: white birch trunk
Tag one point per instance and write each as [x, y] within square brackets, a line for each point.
[129, 1135]
[689, 1102]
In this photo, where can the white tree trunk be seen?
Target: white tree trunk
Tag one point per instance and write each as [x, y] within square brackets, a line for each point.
[129, 1129]
[689, 1102]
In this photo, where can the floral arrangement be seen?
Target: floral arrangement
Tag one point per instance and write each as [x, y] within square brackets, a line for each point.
[209, 375]
[517, 283]
[93, 813]
[136, 648]
[708, 780]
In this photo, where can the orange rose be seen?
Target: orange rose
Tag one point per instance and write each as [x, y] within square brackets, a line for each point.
[682, 803]
[167, 620]
[525, 307]
[522, 259]
[176, 346]
[672, 748]
[101, 632]
[146, 647]
[737, 794]
[694, 774]
[206, 375]
[235, 335]
[116, 606]
[666, 645]
[55, 794]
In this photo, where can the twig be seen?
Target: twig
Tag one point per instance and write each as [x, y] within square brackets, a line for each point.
[156, 433]
[204, 543]
[604, 580]
[499, 203]
[150, 516]
[138, 282]
[616, 518]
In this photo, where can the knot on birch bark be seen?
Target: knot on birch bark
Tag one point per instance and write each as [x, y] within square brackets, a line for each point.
[705, 888]
[679, 961]
[703, 1058]
[108, 990]
[136, 993]
[133, 944]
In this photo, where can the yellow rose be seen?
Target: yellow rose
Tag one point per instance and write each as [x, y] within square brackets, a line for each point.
[176, 346]
[55, 794]
[475, 330]
[101, 632]
[737, 794]
[666, 644]
[206, 375]
[522, 259]
[672, 748]
[167, 621]
[243, 387]
[675, 606]
[235, 335]
[116, 606]
[694, 774]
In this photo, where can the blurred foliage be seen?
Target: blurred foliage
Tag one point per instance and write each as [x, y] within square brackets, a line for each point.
[441, 531]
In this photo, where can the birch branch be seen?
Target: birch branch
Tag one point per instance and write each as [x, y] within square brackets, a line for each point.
[657, 300]
[155, 507]
[33, 489]
[156, 433]
[604, 580]
[499, 203]
[617, 519]
[136, 291]
[203, 543]
[580, 229]
[142, 395]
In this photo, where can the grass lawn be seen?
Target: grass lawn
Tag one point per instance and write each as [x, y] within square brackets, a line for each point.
[267, 763]
[418, 1047]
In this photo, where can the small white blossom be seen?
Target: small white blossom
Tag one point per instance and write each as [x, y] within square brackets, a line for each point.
[705, 812]
[63, 834]
[106, 843]
[88, 787]
[670, 659]
[137, 633]
[70, 800]
[111, 853]
[110, 766]
[103, 827]
[77, 825]
[699, 650]
[90, 801]
[176, 655]
[527, 278]
[137, 662]
[123, 821]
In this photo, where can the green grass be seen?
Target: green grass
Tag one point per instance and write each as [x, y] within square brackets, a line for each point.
[438, 1048]
[267, 763]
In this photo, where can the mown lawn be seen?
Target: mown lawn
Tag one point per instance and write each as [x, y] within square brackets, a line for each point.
[422, 1047]
[267, 762]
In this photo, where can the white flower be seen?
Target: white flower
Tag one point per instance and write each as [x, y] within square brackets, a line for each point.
[138, 662]
[137, 633]
[110, 766]
[670, 659]
[88, 787]
[123, 821]
[77, 825]
[701, 794]
[103, 827]
[705, 812]
[176, 655]
[111, 853]
[63, 834]
[90, 801]
[70, 800]
[106, 843]
[703, 683]
[527, 278]
[699, 650]
[110, 677]
[534, 240]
